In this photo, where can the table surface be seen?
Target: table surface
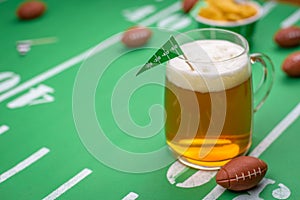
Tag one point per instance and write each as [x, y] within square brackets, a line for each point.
[65, 130]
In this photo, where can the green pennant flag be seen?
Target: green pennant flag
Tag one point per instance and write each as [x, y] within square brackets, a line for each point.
[169, 50]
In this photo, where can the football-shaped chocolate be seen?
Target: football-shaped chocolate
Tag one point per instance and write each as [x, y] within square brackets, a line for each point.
[288, 37]
[187, 5]
[291, 65]
[136, 36]
[31, 10]
[241, 173]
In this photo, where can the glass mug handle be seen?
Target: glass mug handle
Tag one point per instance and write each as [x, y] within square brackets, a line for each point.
[265, 85]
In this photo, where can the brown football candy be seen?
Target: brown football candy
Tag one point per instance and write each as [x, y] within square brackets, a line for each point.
[288, 37]
[187, 5]
[241, 173]
[291, 65]
[30, 10]
[136, 36]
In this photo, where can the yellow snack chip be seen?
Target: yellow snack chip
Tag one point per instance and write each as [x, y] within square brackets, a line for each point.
[227, 6]
[248, 11]
[211, 13]
[227, 10]
[232, 17]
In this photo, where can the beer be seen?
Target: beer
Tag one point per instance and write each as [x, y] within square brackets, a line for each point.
[190, 96]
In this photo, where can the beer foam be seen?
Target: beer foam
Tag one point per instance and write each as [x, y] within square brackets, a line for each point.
[217, 64]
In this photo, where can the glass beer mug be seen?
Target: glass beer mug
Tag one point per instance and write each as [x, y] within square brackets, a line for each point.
[209, 99]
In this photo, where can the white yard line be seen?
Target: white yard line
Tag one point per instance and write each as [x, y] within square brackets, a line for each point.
[267, 7]
[69, 184]
[162, 14]
[86, 54]
[199, 178]
[39, 41]
[215, 193]
[58, 69]
[131, 196]
[276, 132]
[3, 129]
[291, 20]
[263, 145]
[25, 163]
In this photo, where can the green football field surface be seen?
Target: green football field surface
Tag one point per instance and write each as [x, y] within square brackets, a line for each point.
[74, 119]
